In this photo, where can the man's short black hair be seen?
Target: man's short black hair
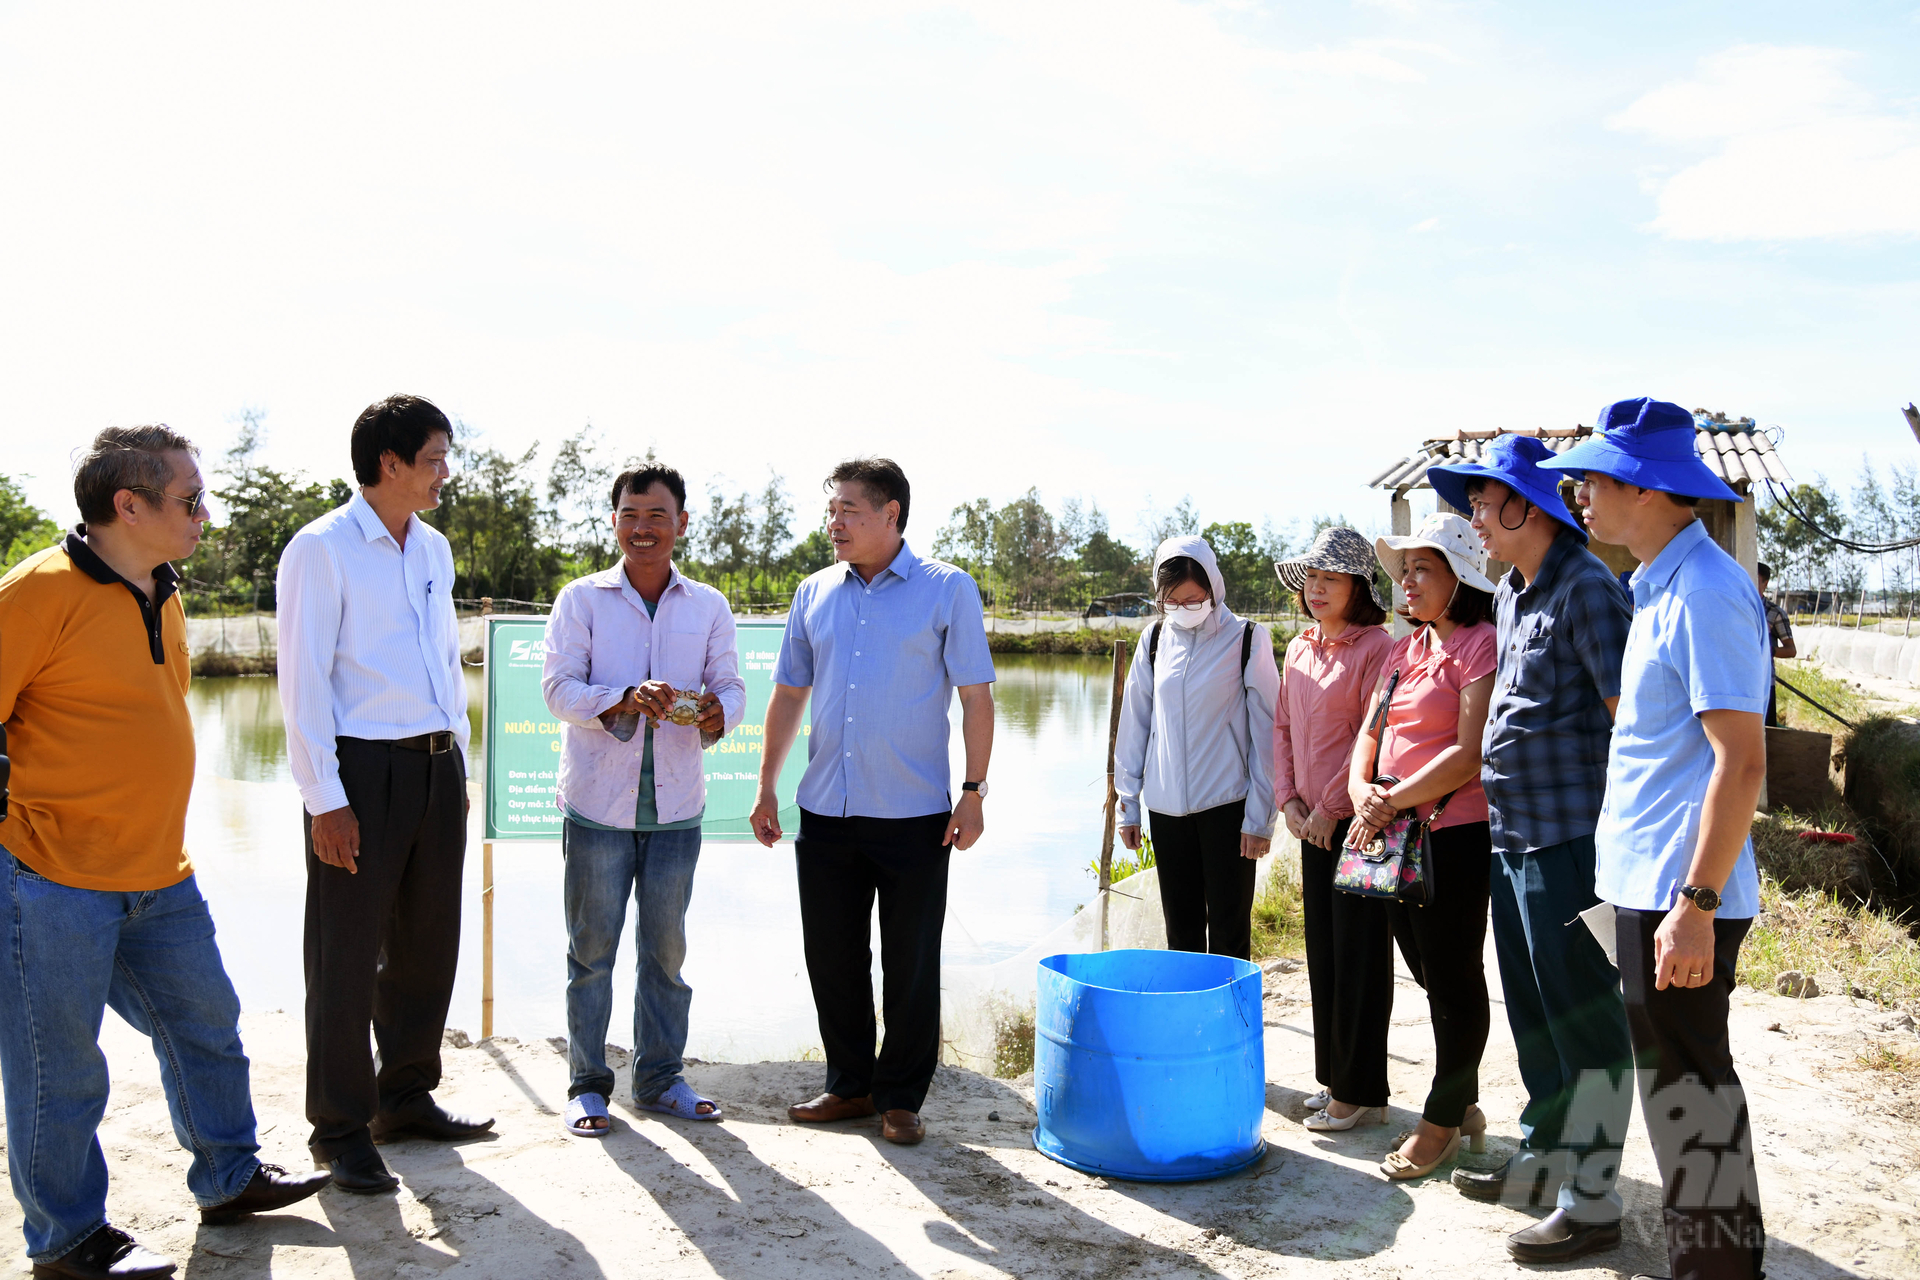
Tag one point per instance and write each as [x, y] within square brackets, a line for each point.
[638, 480]
[882, 478]
[125, 458]
[400, 424]
[1765, 570]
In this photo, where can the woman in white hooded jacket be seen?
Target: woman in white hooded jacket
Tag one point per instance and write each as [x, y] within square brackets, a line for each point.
[1196, 751]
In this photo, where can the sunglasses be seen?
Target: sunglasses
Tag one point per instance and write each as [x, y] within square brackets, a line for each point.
[193, 503]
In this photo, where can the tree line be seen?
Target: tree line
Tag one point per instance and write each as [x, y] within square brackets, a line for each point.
[521, 528]
[1879, 508]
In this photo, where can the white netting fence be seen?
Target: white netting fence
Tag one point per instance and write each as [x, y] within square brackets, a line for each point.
[986, 1011]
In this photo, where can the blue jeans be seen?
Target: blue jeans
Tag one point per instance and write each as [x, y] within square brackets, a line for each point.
[603, 867]
[1569, 1028]
[69, 954]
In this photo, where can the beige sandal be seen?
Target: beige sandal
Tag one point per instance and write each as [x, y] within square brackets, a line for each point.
[1473, 1127]
[1400, 1169]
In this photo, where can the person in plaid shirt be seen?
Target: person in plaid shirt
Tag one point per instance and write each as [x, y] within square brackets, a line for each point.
[1780, 632]
[1563, 623]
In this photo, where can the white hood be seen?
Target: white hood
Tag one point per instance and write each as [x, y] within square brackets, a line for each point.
[1195, 546]
[1196, 729]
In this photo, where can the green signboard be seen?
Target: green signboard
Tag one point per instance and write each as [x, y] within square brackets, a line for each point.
[522, 738]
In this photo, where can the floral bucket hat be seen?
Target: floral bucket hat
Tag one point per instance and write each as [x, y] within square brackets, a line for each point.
[1339, 550]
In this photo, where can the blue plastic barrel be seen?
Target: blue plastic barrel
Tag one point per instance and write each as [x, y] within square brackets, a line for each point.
[1149, 1065]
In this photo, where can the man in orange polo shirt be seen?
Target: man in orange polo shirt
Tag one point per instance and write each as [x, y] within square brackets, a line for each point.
[97, 895]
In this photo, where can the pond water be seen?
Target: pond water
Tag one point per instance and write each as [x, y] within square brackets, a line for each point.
[1025, 876]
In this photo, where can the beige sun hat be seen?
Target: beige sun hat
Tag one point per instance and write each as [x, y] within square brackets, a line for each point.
[1448, 534]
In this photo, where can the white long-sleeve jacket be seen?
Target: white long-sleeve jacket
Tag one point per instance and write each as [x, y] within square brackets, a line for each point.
[1195, 734]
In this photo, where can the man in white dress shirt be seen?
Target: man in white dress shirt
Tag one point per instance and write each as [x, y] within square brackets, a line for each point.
[376, 713]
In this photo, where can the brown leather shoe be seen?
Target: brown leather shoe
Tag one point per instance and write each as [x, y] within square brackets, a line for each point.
[829, 1106]
[903, 1127]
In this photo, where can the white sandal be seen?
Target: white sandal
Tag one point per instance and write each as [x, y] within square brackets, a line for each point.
[1326, 1122]
[1318, 1101]
[585, 1107]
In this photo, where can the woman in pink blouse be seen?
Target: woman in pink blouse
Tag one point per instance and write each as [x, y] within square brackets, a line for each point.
[1431, 745]
[1332, 669]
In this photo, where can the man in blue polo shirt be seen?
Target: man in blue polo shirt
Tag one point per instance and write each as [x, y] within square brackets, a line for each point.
[1687, 764]
[880, 641]
[1563, 627]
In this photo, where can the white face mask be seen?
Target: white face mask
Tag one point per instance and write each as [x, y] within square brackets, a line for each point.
[1189, 616]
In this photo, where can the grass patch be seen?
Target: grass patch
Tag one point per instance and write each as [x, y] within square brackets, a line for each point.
[1882, 758]
[1126, 863]
[219, 662]
[1013, 1043]
[1797, 864]
[1279, 917]
[1888, 1060]
[1847, 947]
[1829, 690]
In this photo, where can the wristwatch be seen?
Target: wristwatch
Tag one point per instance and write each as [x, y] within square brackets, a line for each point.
[1705, 899]
[979, 788]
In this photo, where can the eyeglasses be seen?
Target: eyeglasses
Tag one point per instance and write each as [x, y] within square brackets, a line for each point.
[193, 503]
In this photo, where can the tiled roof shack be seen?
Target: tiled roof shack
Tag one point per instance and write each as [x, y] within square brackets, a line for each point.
[1736, 451]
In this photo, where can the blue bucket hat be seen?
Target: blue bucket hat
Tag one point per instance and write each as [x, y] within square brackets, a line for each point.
[1514, 461]
[1648, 443]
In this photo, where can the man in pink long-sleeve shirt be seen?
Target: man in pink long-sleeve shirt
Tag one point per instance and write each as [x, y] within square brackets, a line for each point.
[620, 644]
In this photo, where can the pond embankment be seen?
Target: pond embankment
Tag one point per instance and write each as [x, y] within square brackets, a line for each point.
[247, 644]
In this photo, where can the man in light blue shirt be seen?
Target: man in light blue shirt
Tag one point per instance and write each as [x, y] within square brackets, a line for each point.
[1673, 854]
[880, 640]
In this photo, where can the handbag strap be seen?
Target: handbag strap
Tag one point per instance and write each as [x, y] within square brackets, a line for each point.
[1380, 721]
[1379, 732]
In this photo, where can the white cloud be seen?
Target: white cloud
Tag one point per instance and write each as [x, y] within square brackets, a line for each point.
[1426, 224]
[1798, 151]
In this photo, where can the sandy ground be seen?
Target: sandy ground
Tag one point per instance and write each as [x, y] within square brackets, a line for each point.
[757, 1196]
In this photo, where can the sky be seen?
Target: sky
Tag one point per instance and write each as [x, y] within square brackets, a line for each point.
[1129, 250]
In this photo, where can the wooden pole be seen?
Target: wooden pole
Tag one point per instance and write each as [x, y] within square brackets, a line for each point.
[1121, 658]
[486, 846]
[486, 940]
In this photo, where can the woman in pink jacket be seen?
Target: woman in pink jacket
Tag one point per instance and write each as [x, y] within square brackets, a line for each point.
[1331, 670]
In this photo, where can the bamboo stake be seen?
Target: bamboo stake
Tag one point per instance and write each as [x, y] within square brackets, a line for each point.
[1121, 656]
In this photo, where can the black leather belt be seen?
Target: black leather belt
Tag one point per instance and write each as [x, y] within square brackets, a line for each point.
[434, 744]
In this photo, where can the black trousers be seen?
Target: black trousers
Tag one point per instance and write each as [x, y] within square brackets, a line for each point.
[382, 942]
[1443, 945]
[1350, 972]
[1695, 1108]
[844, 864]
[1206, 887]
